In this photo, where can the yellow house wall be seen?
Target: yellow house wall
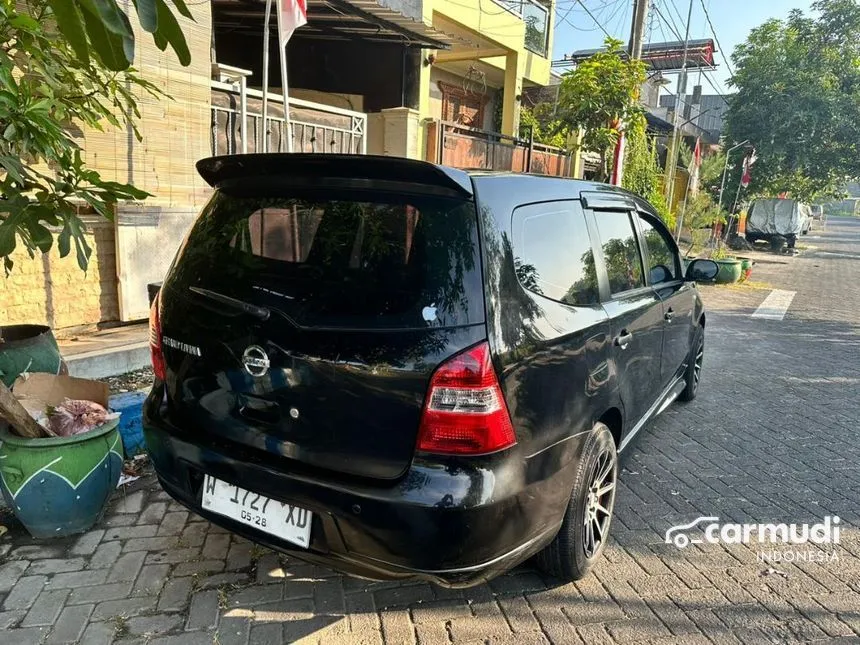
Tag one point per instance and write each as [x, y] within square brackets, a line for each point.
[491, 23]
[489, 26]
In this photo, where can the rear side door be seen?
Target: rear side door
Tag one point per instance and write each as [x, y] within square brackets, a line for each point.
[677, 296]
[634, 309]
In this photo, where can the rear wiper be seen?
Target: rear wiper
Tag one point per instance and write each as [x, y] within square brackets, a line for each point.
[258, 312]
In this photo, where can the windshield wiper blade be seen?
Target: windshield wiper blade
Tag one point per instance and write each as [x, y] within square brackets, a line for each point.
[258, 312]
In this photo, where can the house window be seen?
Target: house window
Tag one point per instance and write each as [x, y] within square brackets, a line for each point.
[461, 107]
[536, 18]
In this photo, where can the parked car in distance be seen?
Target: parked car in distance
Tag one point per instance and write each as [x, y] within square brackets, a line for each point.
[772, 219]
[817, 212]
[402, 370]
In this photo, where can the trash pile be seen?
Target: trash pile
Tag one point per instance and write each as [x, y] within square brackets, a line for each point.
[63, 406]
[74, 416]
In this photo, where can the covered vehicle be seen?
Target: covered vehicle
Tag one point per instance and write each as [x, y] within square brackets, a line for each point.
[770, 219]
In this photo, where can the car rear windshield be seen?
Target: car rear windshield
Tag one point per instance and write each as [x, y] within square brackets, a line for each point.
[334, 259]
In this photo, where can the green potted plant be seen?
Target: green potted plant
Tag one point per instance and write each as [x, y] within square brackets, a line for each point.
[730, 266]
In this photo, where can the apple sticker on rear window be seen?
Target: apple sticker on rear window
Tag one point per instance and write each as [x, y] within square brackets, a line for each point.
[429, 313]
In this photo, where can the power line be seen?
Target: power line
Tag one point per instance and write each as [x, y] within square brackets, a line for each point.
[566, 14]
[717, 40]
[596, 21]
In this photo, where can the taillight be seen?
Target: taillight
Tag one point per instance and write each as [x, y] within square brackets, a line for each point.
[158, 366]
[465, 413]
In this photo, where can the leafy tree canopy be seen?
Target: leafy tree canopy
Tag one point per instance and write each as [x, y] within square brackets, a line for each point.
[599, 96]
[63, 64]
[798, 101]
[547, 129]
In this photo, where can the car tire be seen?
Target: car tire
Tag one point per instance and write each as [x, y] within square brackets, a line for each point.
[694, 365]
[576, 548]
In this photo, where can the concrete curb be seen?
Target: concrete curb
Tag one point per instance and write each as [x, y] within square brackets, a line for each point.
[109, 362]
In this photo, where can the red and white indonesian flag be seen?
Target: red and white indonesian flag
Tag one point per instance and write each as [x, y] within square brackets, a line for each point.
[695, 164]
[292, 14]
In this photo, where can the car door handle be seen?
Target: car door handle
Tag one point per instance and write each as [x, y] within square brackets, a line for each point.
[623, 340]
[669, 315]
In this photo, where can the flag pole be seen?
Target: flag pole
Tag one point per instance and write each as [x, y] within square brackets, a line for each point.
[265, 146]
[282, 51]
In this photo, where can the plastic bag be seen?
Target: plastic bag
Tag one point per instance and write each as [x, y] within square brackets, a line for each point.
[73, 417]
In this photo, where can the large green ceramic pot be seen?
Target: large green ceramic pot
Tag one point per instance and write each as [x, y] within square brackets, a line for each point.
[59, 486]
[28, 348]
[730, 271]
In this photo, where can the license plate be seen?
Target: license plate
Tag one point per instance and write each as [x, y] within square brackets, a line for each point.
[285, 521]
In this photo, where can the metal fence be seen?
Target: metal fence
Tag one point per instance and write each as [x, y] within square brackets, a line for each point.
[315, 127]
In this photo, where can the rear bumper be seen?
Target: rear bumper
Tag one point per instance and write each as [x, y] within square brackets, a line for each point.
[455, 526]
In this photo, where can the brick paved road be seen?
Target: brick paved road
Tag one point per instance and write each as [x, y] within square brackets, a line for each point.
[773, 437]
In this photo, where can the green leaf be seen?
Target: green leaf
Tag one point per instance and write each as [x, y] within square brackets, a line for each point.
[64, 240]
[25, 22]
[109, 46]
[82, 249]
[147, 14]
[14, 168]
[70, 25]
[183, 8]
[169, 28]
[7, 265]
[159, 40]
[40, 236]
[110, 15]
[8, 229]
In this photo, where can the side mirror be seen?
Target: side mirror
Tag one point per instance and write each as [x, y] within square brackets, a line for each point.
[702, 270]
[660, 274]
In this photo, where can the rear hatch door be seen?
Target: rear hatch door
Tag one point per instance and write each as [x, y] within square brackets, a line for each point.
[307, 310]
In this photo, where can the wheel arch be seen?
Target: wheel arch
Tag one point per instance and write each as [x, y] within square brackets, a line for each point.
[613, 420]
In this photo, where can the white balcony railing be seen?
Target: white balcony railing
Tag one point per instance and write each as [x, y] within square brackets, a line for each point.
[315, 127]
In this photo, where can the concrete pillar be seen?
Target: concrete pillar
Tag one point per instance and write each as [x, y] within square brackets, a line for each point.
[402, 133]
[513, 89]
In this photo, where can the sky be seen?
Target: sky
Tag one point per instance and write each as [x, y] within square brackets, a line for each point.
[732, 21]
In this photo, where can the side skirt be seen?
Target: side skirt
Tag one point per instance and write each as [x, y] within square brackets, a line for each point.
[663, 401]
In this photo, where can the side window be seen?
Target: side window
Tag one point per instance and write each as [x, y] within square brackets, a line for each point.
[620, 250]
[661, 256]
[552, 252]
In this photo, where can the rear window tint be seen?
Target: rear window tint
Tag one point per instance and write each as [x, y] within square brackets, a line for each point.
[347, 260]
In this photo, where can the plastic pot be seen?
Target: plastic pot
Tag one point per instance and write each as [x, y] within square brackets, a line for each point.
[746, 268]
[59, 486]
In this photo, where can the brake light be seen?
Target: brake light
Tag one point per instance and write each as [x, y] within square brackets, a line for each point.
[465, 412]
[155, 348]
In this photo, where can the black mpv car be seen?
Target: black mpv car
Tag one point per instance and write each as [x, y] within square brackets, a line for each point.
[397, 369]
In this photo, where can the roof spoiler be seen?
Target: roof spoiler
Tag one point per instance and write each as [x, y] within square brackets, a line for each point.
[385, 170]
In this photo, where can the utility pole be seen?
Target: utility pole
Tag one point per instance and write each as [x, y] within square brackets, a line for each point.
[637, 35]
[637, 31]
[672, 158]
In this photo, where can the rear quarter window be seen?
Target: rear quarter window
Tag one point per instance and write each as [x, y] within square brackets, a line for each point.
[552, 252]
